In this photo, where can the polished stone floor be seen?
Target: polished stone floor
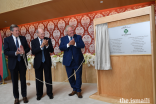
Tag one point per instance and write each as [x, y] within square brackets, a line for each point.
[60, 91]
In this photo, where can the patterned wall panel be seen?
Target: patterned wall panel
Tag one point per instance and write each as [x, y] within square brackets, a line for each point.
[82, 23]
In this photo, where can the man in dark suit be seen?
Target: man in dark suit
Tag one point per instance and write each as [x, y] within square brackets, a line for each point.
[41, 48]
[15, 47]
[71, 44]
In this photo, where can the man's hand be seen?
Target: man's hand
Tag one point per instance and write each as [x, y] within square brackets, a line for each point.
[18, 51]
[22, 49]
[72, 42]
[44, 43]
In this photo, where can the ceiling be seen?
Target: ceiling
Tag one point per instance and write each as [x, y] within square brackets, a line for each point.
[59, 8]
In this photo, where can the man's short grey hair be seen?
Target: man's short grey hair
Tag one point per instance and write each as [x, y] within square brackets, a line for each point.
[66, 29]
[12, 27]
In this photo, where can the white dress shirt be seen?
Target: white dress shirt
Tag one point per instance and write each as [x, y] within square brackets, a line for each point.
[19, 42]
[41, 43]
[70, 40]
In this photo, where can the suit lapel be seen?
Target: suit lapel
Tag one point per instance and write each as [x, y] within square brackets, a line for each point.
[21, 39]
[45, 48]
[67, 39]
[13, 43]
[74, 36]
[37, 42]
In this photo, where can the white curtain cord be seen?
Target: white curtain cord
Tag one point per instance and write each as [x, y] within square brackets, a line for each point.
[44, 81]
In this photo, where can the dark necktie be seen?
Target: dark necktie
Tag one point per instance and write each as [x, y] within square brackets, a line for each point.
[43, 58]
[71, 38]
[17, 46]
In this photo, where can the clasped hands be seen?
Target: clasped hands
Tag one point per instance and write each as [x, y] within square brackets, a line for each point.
[20, 50]
[72, 42]
[44, 43]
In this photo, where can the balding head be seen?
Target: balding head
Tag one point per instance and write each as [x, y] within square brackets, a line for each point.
[70, 31]
[40, 33]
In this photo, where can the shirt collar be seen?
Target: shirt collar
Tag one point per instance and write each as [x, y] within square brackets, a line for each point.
[14, 36]
[39, 39]
[69, 36]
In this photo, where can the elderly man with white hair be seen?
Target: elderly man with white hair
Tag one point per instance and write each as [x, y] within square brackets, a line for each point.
[72, 44]
[41, 48]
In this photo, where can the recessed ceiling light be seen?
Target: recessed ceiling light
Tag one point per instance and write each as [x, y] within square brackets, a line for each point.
[101, 1]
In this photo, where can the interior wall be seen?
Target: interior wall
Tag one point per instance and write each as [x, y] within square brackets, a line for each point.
[83, 25]
[9, 5]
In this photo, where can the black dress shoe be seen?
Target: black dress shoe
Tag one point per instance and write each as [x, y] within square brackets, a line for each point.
[51, 97]
[25, 100]
[16, 101]
[38, 98]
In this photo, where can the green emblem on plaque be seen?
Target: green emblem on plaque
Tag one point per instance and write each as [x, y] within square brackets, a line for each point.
[125, 31]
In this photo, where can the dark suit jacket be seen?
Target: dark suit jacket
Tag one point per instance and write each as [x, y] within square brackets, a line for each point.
[72, 51]
[36, 50]
[10, 49]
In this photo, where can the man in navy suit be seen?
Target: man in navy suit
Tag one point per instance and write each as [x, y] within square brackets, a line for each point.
[14, 47]
[41, 48]
[71, 44]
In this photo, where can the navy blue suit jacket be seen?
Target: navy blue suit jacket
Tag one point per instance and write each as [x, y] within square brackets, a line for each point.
[36, 50]
[72, 51]
[10, 49]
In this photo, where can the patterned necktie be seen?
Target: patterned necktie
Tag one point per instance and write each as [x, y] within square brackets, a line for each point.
[43, 58]
[17, 46]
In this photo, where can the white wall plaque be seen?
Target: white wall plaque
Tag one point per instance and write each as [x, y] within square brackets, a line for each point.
[130, 39]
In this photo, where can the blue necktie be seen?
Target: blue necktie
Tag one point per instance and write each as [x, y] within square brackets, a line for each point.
[17, 46]
[71, 38]
[43, 58]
